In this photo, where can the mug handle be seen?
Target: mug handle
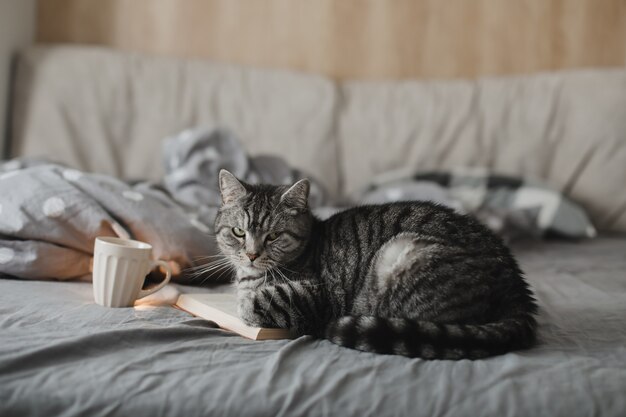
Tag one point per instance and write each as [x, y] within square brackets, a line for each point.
[168, 275]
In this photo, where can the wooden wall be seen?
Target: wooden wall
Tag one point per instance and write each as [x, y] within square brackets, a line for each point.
[355, 38]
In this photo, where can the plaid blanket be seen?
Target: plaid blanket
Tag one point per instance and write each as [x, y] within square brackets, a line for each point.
[512, 207]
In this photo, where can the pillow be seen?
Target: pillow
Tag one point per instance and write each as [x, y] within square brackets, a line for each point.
[566, 128]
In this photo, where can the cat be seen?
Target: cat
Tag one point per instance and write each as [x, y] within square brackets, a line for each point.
[407, 278]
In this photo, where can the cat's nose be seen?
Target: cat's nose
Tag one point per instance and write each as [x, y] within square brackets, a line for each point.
[252, 256]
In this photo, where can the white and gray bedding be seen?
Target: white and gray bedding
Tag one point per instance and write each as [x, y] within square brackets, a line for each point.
[50, 214]
[60, 354]
[49, 223]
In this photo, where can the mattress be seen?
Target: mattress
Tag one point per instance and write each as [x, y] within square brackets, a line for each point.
[60, 354]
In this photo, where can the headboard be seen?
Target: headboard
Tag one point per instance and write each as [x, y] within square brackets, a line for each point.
[364, 39]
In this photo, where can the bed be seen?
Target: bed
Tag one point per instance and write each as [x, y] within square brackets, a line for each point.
[63, 355]
[60, 354]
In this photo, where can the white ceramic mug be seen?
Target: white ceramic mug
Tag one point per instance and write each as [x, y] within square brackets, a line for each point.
[120, 267]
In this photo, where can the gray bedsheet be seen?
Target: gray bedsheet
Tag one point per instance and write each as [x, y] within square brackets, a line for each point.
[60, 354]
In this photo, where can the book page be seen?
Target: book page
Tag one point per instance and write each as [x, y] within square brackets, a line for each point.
[224, 302]
[222, 309]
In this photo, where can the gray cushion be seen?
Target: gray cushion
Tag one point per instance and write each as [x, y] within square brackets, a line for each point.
[106, 111]
[567, 129]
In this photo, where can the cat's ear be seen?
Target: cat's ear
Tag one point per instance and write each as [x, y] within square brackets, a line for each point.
[298, 195]
[230, 187]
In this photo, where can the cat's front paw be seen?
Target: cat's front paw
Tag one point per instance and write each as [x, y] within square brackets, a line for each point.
[249, 317]
[251, 313]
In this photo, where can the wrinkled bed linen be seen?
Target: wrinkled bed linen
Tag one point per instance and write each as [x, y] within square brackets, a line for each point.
[60, 354]
[50, 214]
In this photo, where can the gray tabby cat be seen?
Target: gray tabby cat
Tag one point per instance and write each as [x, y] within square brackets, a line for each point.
[413, 278]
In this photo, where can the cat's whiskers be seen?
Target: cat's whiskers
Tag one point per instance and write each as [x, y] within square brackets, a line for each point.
[208, 266]
[205, 270]
[282, 275]
[212, 261]
[229, 269]
[213, 275]
[279, 269]
[219, 255]
[281, 266]
[220, 265]
[222, 270]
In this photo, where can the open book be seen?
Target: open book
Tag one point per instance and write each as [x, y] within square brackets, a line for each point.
[222, 309]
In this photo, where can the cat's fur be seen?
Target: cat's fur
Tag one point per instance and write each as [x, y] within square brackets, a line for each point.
[413, 278]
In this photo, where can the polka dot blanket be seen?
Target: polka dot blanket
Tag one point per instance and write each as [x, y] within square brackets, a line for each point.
[51, 214]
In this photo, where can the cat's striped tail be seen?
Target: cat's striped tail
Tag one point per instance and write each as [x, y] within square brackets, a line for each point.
[414, 338]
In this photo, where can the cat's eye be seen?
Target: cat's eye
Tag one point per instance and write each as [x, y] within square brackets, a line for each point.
[272, 236]
[239, 232]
